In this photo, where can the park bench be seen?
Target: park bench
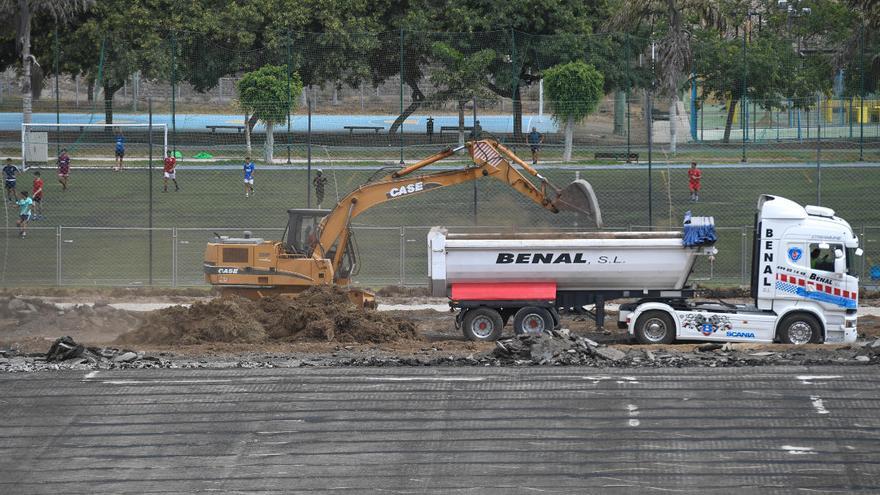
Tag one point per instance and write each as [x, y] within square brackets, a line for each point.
[454, 128]
[214, 128]
[616, 155]
[374, 128]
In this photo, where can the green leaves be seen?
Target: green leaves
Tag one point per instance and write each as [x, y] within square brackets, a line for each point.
[574, 90]
[263, 93]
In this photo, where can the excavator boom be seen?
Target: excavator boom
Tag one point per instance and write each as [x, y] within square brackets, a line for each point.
[322, 253]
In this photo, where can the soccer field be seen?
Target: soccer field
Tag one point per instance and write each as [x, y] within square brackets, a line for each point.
[104, 215]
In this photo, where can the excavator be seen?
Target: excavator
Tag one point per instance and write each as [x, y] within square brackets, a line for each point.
[318, 247]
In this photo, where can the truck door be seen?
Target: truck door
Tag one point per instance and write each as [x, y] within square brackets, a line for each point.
[828, 282]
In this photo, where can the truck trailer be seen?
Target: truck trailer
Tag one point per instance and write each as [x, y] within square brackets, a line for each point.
[802, 283]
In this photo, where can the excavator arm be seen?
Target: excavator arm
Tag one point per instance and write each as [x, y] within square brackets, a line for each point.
[490, 159]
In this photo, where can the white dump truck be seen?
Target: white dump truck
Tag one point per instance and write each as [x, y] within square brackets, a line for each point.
[802, 284]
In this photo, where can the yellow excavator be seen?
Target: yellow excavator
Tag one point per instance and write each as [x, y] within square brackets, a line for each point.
[317, 246]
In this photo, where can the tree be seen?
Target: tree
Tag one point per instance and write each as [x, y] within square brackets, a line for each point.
[461, 76]
[574, 90]
[23, 12]
[263, 93]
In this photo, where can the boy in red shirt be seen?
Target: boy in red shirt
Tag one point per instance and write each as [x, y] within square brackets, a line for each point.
[37, 195]
[170, 173]
[694, 176]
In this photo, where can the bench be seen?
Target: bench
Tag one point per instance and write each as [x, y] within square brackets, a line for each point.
[214, 128]
[374, 128]
[616, 155]
[454, 128]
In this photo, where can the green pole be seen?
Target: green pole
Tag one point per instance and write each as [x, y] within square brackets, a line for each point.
[628, 89]
[173, 94]
[514, 80]
[862, 92]
[400, 131]
[288, 97]
[818, 150]
[57, 104]
[743, 103]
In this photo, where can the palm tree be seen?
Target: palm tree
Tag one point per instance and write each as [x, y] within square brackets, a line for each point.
[673, 47]
[22, 11]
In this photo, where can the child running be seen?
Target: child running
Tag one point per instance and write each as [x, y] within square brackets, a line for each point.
[37, 196]
[170, 172]
[248, 176]
[63, 169]
[25, 205]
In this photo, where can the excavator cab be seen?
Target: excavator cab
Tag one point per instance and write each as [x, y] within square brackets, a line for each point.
[301, 234]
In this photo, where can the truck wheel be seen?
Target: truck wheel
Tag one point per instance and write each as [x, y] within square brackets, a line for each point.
[482, 324]
[532, 320]
[799, 329]
[655, 327]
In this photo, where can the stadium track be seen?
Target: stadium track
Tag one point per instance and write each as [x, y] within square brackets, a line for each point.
[442, 430]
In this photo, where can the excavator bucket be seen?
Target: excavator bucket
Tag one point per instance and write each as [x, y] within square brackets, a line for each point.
[580, 198]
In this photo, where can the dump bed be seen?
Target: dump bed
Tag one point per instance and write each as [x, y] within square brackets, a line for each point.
[590, 261]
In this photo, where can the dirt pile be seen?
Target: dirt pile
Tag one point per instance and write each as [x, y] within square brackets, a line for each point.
[319, 314]
[22, 318]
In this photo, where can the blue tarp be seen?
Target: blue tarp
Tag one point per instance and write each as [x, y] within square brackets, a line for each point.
[698, 231]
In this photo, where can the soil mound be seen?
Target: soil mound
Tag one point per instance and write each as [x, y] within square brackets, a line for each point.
[319, 314]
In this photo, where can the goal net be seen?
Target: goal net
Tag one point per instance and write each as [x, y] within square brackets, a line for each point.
[94, 145]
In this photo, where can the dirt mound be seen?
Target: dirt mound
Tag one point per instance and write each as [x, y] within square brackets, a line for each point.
[318, 314]
[21, 318]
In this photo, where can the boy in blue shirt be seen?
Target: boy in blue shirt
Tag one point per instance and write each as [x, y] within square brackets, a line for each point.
[248, 176]
[9, 172]
[120, 150]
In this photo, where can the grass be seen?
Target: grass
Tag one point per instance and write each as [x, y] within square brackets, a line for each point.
[95, 252]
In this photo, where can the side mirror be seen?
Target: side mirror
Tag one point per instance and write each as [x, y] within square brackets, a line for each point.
[859, 252]
[839, 263]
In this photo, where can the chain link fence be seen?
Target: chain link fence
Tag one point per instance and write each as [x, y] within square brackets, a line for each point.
[809, 131]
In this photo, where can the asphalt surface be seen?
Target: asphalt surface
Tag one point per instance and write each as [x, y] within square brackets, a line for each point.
[442, 430]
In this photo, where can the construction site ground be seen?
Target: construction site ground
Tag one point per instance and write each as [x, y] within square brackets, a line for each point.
[196, 329]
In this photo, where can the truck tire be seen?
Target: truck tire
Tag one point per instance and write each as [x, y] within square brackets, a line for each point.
[482, 324]
[800, 328]
[532, 320]
[655, 327]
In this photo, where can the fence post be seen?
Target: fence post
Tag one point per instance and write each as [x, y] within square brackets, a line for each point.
[288, 97]
[174, 257]
[402, 122]
[818, 150]
[150, 187]
[861, 112]
[743, 249]
[402, 256]
[628, 90]
[173, 92]
[57, 104]
[58, 255]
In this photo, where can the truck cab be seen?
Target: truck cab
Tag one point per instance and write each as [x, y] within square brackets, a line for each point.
[803, 286]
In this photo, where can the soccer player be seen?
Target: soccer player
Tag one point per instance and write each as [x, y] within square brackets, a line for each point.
[63, 169]
[25, 204]
[170, 172]
[319, 181]
[120, 150]
[37, 196]
[248, 176]
[535, 140]
[9, 172]
[694, 176]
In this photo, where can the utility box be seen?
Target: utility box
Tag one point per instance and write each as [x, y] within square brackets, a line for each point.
[36, 148]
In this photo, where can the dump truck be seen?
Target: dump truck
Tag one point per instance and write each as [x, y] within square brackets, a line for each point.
[318, 246]
[802, 283]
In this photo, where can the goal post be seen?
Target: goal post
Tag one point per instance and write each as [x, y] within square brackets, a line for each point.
[91, 144]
